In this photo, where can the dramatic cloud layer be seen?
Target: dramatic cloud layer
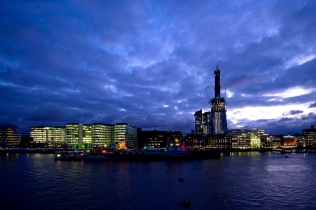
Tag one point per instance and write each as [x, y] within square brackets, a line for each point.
[151, 63]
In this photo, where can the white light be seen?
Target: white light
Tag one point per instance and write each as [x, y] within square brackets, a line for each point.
[229, 94]
[299, 60]
[291, 92]
[256, 113]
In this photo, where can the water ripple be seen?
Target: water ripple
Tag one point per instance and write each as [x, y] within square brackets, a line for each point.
[236, 181]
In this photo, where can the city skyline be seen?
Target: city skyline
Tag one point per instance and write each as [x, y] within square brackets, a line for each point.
[150, 63]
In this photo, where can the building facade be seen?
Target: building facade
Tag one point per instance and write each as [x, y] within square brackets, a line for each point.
[310, 136]
[289, 141]
[218, 119]
[86, 136]
[74, 135]
[102, 134]
[194, 141]
[154, 139]
[202, 122]
[81, 136]
[52, 136]
[222, 141]
[199, 122]
[274, 141]
[240, 138]
[123, 132]
[255, 140]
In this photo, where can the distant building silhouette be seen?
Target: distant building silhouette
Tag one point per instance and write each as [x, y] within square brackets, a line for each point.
[10, 136]
[195, 140]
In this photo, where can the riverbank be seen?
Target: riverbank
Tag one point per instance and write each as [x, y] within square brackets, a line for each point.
[34, 150]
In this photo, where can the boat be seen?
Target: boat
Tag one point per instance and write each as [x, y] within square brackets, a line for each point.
[69, 155]
[285, 151]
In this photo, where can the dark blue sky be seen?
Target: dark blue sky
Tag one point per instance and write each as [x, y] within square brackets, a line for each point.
[149, 63]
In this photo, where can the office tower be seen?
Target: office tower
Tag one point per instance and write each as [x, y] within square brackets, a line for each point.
[218, 108]
[207, 123]
[124, 132]
[87, 135]
[198, 122]
[52, 136]
[10, 136]
[73, 134]
[240, 138]
[202, 122]
[102, 134]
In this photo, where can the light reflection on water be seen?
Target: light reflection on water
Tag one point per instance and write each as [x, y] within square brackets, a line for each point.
[244, 180]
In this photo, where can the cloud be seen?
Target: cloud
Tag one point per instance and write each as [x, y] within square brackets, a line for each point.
[312, 105]
[85, 62]
[293, 112]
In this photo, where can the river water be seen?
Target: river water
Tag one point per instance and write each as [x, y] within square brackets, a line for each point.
[244, 180]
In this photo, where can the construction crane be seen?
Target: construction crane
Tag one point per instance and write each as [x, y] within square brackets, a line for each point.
[208, 98]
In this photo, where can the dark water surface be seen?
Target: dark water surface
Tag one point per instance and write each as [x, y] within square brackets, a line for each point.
[235, 181]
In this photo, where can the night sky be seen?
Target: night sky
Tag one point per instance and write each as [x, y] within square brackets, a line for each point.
[151, 63]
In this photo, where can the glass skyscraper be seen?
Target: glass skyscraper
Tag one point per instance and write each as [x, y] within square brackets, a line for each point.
[218, 119]
[202, 122]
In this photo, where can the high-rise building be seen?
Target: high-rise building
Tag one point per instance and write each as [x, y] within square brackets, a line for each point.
[218, 119]
[202, 122]
[10, 136]
[198, 122]
[207, 123]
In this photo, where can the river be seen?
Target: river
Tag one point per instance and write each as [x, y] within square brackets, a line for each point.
[239, 180]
